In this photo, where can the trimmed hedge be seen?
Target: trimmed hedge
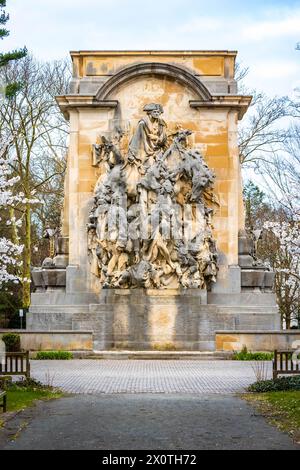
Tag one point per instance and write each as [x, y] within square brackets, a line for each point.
[12, 342]
[249, 356]
[244, 355]
[54, 355]
[281, 384]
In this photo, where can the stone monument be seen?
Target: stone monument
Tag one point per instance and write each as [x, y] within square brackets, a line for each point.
[152, 251]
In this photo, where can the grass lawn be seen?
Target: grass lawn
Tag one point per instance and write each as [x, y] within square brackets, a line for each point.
[23, 394]
[280, 408]
[18, 399]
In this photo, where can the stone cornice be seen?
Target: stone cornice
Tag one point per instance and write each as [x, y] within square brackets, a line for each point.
[139, 53]
[238, 102]
[68, 102]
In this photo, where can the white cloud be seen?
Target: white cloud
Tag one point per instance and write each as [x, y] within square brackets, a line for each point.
[62, 4]
[264, 33]
[278, 69]
[285, 27]
[202, 24]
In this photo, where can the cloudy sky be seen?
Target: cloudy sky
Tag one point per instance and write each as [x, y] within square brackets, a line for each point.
[264, 32]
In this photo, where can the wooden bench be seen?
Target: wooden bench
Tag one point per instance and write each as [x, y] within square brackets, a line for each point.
[16, 363]
[3, 398]
[283, 364]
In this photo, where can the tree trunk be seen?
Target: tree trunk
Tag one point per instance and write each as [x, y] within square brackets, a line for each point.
[27, 258]
[14, 235]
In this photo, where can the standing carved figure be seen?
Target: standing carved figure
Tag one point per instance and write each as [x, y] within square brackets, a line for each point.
[149, 137]
[148, 140]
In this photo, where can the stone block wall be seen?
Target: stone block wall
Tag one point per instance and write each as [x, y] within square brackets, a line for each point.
[257, 340]
[54, 340]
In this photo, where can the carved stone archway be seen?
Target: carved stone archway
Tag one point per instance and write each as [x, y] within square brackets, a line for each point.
[154, 69]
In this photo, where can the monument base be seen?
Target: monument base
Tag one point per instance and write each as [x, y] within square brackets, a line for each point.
[140, 319]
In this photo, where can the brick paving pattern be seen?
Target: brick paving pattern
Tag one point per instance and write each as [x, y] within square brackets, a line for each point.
[146, 376]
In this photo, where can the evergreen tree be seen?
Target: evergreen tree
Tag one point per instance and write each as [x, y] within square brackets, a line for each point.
[255, 205]
[10, 88]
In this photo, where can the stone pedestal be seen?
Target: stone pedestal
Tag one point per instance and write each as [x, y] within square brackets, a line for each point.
[145, 320]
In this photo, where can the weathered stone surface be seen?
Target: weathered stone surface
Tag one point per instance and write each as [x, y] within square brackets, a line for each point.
[256, 340]
[245, 245]
[228, 280]
[62, 246]
[55, 341]
[150, 225]
[61, 261]
[54, 277]
[253, 278]
[246, 298]
[214, 134]
[62, 298]
[245, 261]
[142, 320]
[269, 280]
[197, 92]
[37, 278]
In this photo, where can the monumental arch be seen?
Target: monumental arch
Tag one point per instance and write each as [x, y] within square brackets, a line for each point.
[152, 251]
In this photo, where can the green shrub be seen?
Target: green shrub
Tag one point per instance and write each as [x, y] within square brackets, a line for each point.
[257, 356]
[25, 383]
[12, 342]
[244, 355]
[54, 355]
[281, 384]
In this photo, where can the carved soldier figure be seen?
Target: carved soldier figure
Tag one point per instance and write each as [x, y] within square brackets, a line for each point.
[149, 137]
[148, 140]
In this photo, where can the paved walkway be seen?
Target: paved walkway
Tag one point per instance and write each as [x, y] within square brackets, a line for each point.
[146, 376]
[144, 421]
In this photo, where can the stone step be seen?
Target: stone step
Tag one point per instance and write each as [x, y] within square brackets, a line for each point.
[160, 355]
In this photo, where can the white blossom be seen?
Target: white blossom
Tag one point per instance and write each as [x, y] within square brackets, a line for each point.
[9, 252]
[287, 258]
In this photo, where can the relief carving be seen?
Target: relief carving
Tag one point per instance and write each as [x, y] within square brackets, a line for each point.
[150, 225]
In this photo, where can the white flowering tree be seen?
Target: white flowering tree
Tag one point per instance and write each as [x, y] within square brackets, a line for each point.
[279, 246]
[38, 147]
[270, 144]
[282, 178]
[10, 253]
[285, 261]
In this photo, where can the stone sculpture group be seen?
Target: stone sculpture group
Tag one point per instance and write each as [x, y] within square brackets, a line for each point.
[150, 225]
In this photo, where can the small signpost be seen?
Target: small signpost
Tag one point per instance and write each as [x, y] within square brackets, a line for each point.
[21, 315]
[2, 353]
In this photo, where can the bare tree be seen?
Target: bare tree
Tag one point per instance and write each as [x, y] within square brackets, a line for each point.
[282, 174]
[39, 145]
[276, 249]
[281, 244]
[263, 130]
[260, 135]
